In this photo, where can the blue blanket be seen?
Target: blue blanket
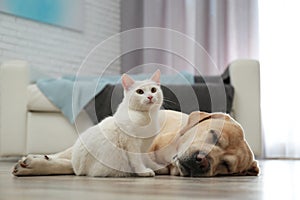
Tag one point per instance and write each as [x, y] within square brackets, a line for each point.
[71, 94]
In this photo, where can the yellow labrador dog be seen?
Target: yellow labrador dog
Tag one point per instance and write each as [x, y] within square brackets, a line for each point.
[210, 144]
[199, 144]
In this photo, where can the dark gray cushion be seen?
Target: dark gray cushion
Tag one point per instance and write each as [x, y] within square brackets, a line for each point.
[209, 96]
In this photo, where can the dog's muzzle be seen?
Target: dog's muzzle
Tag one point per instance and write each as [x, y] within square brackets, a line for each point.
[195, 165]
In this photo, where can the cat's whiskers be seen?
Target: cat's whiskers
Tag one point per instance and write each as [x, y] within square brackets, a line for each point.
[170, 101]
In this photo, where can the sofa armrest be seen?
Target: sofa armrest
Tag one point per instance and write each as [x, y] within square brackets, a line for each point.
[14, 78]
[245, 78]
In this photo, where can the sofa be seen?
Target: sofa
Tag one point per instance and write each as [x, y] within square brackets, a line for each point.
[31, 124]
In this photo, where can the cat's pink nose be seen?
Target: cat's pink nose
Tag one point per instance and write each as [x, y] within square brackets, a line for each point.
[150, 97]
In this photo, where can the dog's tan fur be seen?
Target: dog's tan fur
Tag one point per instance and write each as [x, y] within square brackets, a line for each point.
[230, 147]
[181, 136]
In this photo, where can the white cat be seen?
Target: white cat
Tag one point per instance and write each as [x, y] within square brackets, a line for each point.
[113, 147]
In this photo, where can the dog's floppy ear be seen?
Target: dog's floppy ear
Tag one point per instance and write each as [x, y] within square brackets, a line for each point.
[199, 116]
[194, 118]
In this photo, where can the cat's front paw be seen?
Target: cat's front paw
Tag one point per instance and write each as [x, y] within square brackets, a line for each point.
[30, 165]
[147, 173]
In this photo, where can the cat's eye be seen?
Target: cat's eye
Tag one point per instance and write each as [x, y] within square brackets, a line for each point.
[153, 90]
[139, 91]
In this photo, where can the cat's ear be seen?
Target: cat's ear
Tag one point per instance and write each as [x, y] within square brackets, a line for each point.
[127, 81]
[156, 77]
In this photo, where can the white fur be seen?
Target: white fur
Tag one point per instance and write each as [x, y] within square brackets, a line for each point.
[113, 147]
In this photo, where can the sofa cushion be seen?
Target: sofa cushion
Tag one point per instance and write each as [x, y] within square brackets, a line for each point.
[38, 102]
[207, 97]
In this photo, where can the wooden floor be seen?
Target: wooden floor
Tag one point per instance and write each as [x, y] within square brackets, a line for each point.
[279, 180]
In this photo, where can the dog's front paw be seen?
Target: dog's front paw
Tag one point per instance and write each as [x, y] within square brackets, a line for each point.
[28, 165]
[147, 172]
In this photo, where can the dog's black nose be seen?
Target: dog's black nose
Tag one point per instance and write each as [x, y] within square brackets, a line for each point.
[195, 165]
[202, 161]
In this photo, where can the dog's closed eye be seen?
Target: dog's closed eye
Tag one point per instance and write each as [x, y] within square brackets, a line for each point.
[215, 135]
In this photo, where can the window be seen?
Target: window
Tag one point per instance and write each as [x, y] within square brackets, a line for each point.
[280, 78]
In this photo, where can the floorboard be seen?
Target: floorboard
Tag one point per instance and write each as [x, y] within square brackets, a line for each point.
[278, 180]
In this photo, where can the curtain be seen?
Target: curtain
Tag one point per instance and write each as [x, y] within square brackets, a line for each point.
[279, 57]
[208, 34]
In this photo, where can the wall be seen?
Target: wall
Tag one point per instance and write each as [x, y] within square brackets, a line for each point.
[57, 50]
